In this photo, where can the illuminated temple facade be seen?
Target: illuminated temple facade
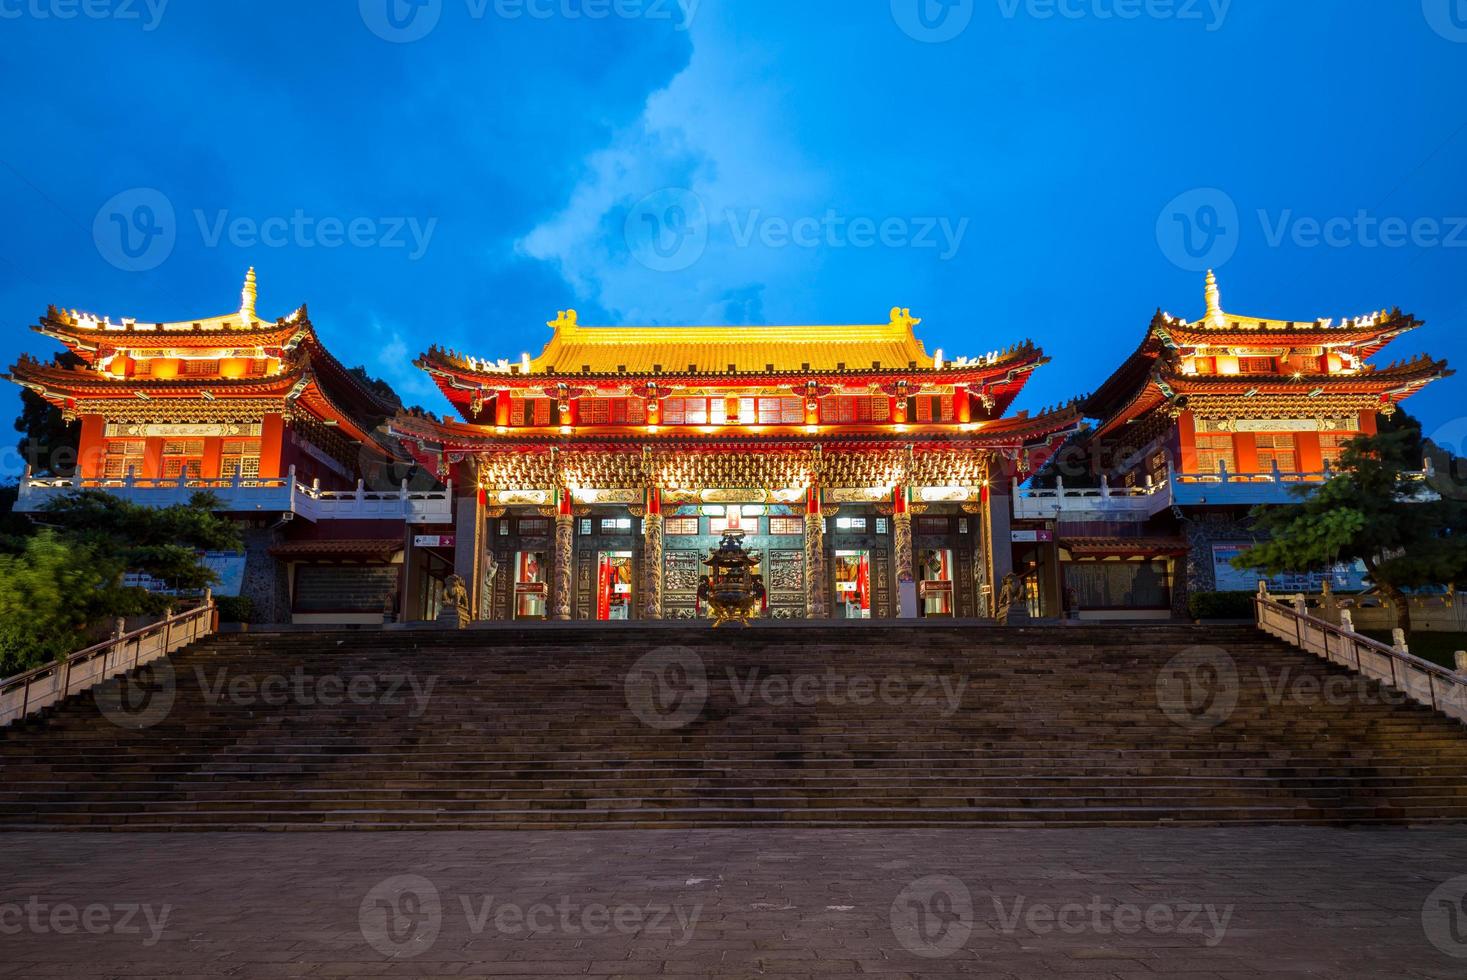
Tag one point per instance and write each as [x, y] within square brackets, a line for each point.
[876, 479]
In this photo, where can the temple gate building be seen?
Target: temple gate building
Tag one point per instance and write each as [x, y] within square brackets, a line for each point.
[872, 475]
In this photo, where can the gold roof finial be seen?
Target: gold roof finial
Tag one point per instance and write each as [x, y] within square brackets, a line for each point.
[901, 318]
[1214, 302]
[247, 297]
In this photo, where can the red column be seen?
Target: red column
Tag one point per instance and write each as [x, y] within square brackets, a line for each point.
[272, 446]
[152, 458]
[213, 450]
[1187, 434]
[92, 449]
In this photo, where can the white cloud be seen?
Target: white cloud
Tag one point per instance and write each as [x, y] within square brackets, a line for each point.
[715, 130]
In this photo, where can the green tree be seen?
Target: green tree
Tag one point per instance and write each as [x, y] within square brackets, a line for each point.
[51, 593]
[1373, 511]
[59, 583]
[48, 442]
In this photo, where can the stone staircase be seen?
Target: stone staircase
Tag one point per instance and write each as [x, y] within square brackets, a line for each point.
[795, 726]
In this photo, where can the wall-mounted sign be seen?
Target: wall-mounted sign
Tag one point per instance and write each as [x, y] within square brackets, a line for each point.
[1031, 537]
[433, 540]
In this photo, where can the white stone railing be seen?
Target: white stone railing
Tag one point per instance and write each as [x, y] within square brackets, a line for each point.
[1274, 486]
[1102, 503]
[1421, 680]
[25, 694]
[285, 495]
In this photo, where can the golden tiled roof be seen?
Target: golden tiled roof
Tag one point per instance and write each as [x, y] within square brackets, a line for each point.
[576, 349]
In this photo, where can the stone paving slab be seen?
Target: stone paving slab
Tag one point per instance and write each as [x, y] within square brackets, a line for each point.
[1074, 904]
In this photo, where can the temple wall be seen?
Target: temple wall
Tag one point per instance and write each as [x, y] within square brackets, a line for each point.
[265, 577]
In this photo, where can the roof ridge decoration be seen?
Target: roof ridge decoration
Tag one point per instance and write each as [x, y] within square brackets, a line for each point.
[247, 297]
[1215, 316]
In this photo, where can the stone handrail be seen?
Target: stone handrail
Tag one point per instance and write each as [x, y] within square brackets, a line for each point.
[1422, 681]
[287, 494]
[25, 694]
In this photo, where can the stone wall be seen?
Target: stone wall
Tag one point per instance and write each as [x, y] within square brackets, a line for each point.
[1203, 530]
[264, 577]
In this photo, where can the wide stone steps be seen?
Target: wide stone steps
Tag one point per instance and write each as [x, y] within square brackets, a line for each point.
[532, 728]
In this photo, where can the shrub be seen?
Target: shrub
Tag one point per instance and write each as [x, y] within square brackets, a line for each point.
[1220, 605]
[234, 608]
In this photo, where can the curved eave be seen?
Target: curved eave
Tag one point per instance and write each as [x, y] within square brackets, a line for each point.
[82, 385]
[1367, 341]
[1003, 379]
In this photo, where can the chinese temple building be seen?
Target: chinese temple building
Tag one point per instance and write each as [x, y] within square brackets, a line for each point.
[258, 413]
[874, 479]
[1206, 419]
[871, 475]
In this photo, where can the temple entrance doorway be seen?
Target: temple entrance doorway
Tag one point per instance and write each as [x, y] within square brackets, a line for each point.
[936, 574]
[614, 585]
[852, 584]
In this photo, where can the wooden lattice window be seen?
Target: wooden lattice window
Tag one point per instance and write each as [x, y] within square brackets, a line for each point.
[1277, 448]
[1256, 365]
[123, 457]
[611, 411]
[182, 456]
[934, 408]
[680, 526]
[200, 368]
[781, 411]
[855, 408]
[1332, 446]
[786, 526]
[1216, 452]
[529, 411]
[242, 457]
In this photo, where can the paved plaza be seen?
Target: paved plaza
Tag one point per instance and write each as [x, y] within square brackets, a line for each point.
[1146, 903]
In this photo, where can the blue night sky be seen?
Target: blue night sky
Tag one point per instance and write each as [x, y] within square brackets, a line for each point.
[1053, 170]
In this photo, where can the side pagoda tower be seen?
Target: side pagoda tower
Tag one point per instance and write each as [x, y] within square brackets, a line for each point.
[258, 413]
[1206, 419]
